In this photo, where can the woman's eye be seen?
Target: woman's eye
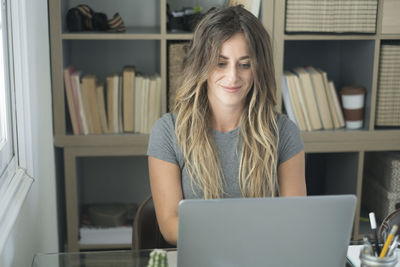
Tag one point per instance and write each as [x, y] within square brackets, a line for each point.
[245, 65]
[221, 64]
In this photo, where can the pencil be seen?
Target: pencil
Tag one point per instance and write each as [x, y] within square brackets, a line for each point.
[388, 241]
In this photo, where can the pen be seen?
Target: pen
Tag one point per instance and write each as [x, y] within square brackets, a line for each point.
[393, 246]
[372, 221]
[388, 241]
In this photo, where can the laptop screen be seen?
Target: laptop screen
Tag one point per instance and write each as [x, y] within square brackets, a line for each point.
[287, 231]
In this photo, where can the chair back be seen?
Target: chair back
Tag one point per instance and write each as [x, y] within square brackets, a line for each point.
[146, 233]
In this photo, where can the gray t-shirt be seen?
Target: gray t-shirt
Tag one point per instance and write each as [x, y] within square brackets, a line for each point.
[163, 145]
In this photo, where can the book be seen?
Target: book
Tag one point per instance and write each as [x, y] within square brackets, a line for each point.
[145, 104]
[336, 102]
[111, 235]
[287, 100]
[298, 101]
[120, 116]
[291, 102]
[138, 102]
[321, 97]
[128, 75]
[71, 100]
[89, 87]
[101, 108]
[331, 98]
[154, 105]
[86, 106]
[309, 98]
[76, 87]
[299, 94]
[112, 103]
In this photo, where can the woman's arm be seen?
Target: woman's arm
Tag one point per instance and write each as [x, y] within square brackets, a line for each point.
[291, 176]
[166, 189]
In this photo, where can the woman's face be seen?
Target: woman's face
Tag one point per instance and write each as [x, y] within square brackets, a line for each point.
[232, 78]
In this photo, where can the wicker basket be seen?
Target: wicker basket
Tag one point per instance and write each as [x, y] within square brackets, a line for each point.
[377, 199]
[176, 54]
[385, 168]
[388, 96]
[331, 16]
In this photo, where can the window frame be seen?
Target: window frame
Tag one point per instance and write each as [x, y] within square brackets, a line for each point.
[7, 145]
[17, 180]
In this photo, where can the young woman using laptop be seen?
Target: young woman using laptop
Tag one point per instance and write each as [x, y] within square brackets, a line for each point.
[224, 138]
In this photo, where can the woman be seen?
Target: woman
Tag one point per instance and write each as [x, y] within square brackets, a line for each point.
[224, 138]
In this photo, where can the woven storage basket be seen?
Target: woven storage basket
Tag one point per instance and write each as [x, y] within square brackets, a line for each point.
[377, 199]
[331, 16]
[176, 55]
[385, 168]
[388, 95]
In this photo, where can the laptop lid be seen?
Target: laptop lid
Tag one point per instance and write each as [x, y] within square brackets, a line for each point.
[293, 231]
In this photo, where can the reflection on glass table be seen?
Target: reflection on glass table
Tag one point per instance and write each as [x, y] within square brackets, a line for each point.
[125, 258]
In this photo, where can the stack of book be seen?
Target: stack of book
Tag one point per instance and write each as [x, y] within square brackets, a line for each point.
[121, 235]
[310, 100]
[388, 96]
[129, 102]
[331, 16]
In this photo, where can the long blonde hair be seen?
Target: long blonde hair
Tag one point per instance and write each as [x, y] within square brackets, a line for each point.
[258, 126]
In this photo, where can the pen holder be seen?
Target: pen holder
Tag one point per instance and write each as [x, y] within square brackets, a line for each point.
[374, 261]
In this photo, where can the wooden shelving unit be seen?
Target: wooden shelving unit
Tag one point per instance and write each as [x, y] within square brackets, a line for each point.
[360, 52]
[342, 151]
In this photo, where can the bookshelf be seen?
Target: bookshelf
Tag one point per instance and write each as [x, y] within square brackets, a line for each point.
[335, 158]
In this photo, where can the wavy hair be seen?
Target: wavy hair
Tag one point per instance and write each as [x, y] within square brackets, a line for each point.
[258, 126]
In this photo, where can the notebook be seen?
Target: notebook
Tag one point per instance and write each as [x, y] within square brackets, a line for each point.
[278, 232]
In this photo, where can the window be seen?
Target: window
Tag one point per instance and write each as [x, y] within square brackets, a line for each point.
[14, 182]
[6, 144]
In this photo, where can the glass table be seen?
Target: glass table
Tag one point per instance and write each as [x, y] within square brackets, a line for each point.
[126, 258]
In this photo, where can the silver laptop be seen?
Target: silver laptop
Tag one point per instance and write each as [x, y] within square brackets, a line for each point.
[295, 231]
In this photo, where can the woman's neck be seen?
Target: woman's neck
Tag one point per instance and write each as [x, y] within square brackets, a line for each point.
[225, 119]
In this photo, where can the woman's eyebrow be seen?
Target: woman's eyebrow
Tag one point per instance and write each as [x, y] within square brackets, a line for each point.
[241, 58]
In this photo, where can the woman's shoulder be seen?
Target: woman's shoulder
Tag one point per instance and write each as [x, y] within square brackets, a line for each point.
[286, 127]
[168, 117]
[162, 141]
[290, 141]
[166, 121]
[284, 122]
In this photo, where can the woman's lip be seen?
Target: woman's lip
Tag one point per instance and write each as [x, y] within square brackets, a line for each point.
[231, 88]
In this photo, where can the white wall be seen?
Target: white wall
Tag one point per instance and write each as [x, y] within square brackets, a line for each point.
[36, 227]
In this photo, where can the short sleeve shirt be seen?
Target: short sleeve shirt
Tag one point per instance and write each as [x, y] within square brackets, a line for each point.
[163, 145]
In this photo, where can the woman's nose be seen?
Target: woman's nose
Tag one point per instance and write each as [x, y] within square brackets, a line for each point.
[232, 73]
